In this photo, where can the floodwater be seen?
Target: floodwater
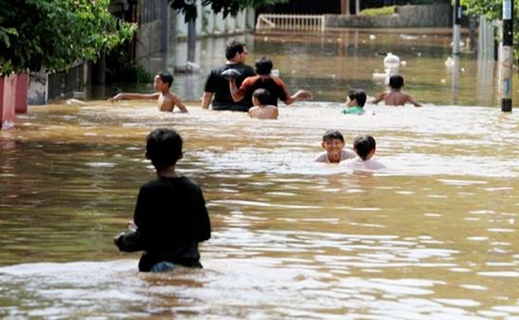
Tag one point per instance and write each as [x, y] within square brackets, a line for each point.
[434, 237]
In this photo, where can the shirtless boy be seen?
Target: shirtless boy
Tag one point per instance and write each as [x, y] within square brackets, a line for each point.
[261, 109]
[165, 99]
[396, 97]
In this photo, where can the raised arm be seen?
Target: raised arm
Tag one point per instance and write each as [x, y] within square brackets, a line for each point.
[179, 104]
[134, 96]
[299, 95]
[206, 100]
[379, 98]
[235, 93]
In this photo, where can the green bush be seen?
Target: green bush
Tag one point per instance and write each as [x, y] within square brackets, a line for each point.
[384, 11]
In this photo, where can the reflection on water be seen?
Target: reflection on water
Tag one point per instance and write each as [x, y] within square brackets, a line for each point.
[434, 238]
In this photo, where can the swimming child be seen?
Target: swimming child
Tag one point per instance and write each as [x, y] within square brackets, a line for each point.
[170, 217]
[394, 96]
[365, 147]
[166, 100]
[333, 143]
[355, 102]
[261, 109]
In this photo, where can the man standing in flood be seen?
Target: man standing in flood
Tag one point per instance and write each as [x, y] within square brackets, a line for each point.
[218, 85]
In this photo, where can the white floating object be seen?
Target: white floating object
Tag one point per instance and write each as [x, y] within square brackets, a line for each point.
[449, 63]
[391, 61]
[372, 37]
[73, 101]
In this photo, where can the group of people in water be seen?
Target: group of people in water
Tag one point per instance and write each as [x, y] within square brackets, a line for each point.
[233, 87]
[170, 217]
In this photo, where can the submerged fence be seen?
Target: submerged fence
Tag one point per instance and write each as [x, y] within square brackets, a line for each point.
[290, 22]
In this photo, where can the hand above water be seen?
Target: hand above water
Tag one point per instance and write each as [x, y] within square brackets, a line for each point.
[303, 95]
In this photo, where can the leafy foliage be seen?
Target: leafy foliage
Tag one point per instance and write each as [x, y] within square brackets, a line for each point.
[56, 33]
[489, 8]
[384, 11]
[492, 9]
[227, 7]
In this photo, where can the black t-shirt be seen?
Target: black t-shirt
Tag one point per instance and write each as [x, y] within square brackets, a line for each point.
[220, 87]
[171, 219]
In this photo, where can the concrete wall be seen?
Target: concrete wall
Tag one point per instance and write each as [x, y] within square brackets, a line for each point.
[410, 16]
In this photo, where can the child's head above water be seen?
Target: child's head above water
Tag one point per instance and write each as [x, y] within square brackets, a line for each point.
[333, 135]
[163, 148]
[364, 146]
[263, 66]
[356, 98]
[163, 78]
[260, 97]
[396, 81]
[333, 142]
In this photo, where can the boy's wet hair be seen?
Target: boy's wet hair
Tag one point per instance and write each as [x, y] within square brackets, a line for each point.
[166, 77]
[396, 81]
[333, 134]
[363, 145]
[358, 95]
[163, 147]
[262, 95]
[263, 66]
[233, 47]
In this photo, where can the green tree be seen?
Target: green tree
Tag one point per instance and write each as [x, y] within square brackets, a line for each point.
[492, 9]
[56, 33]
[227, 7]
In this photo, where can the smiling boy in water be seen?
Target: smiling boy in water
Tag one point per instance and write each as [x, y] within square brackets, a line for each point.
[333, 143]
[261, 109]
[165, 99]
[396, 97]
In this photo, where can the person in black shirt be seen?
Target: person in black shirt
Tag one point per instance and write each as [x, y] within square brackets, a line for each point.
[236, 55]
[170, 217]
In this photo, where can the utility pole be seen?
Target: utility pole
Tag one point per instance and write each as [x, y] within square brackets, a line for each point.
[507, 56]
[457, 28]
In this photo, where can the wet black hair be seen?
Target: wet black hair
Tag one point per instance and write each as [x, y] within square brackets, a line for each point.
[233, 47]
[363, 145]
[163, 147]
[358, 95]
[396, 81]
[263, 96]
[264, 66]
[166, 77]
[333, 134]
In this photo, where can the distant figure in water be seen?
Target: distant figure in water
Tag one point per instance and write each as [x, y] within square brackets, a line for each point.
[261, 109]
[394, 96]
[333, 143]
[365, 147]
[166, 100]
[170, 216]
[355, 102]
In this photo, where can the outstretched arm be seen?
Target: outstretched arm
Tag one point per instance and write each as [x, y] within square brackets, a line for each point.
[134, 96]
[411, 100]
[379, 98]
[299, 95]
[179, 103]
[236, 96]
[206, 99]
